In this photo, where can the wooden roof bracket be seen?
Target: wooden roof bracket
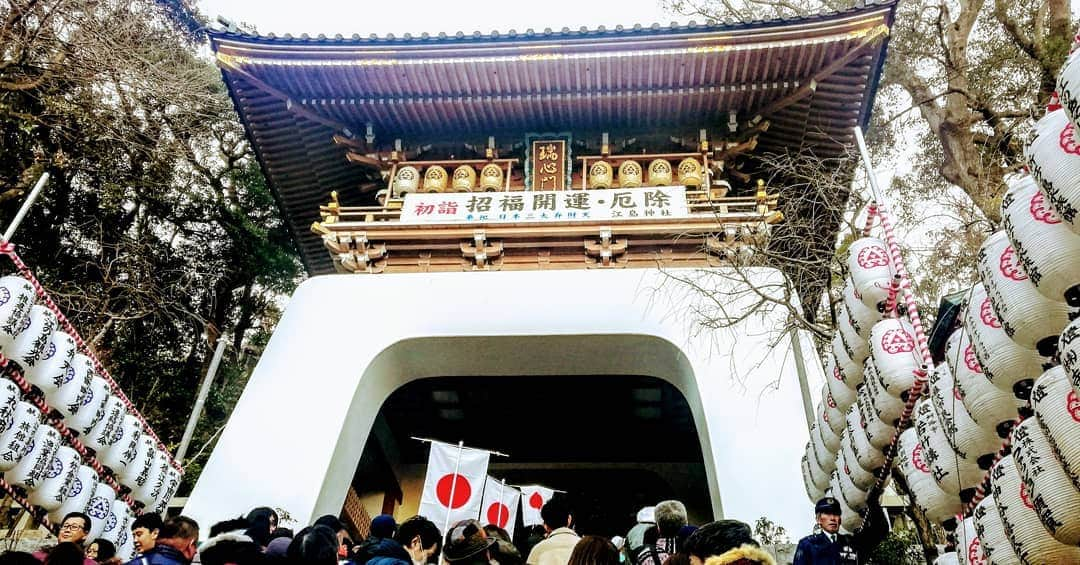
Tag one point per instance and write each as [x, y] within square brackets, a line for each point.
[870, 38]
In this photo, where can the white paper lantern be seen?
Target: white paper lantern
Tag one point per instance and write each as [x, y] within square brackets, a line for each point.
[78, 494]
[171, 484]
[31, 469]
[32, 341]
[15, 440]
[10, 394]
[124, 445]
[843, 395]
[992, 538]
[878, 432]
[862, 317]
[50, 370]
[1057, 408]
[968, 439]
[68, 397]
[856, 347]
[830, 412]
[853, 496]
[1003, 362]
[1032, 542]
[938, 505]
[869, 457]
[116, 522]
[852, 371]
[52, 489]
[953, 475]
[825, 458]
[886, 406]
[1053, 495]
[1054, 157]
[125, 550]
[99, 508]
[813, 492]
[828, 439]
[1028, 318]
[146, 492]
[847, 461]
[103, 434]
[1048, 250]
[93, 406]
[16, 297]
[871, 270]
[991, 407]
[895, 354]
[1068, 87]
[968, 547]
[1069, 353]
[850, 520]
[144, 454]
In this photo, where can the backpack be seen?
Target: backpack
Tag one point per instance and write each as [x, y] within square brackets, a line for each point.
[650, 554]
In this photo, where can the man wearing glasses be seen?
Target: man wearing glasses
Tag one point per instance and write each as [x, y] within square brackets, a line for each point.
[73, 528]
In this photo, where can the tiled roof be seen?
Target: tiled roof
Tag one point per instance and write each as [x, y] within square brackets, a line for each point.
[813, 78]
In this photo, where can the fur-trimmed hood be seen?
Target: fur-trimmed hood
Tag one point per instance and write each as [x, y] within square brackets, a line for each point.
[745, 554]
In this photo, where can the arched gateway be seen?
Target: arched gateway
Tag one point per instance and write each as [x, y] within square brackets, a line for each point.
[516, 208]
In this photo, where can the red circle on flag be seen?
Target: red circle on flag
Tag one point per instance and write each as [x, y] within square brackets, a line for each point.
[536, 501]
[498, 514]
[461, 487]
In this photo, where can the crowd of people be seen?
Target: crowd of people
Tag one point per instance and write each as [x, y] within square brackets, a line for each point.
[662, 536]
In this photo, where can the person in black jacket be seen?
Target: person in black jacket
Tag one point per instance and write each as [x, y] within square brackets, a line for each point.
[830, 547]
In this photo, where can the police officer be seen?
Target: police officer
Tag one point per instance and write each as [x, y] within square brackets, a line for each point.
[830, 547]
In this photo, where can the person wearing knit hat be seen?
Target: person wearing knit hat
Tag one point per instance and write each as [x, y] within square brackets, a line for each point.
[635, 538]
[383, 526]
[725, 542]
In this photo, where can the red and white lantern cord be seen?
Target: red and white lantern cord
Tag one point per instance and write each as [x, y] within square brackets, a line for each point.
[65, 432]
[903, 282]
[34, 511]
[8, 249]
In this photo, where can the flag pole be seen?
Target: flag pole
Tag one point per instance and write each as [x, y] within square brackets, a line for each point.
[498, 518]
[428, 440]
[453, 487]
[549, 488]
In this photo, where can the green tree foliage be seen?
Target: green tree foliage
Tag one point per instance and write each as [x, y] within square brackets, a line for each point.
[157, 233]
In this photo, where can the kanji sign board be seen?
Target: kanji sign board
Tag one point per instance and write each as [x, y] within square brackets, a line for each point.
[546, 206]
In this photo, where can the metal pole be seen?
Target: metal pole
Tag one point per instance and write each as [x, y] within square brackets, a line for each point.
[204, 391]
[453, 487]
[804, 386]
[875, 190]
[14, 225]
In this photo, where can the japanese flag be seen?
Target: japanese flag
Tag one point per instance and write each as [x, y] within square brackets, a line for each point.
[449, 497]
[533, 499]
[500, 505]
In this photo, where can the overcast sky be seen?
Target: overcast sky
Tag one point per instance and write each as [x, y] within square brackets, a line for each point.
[418, 16]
